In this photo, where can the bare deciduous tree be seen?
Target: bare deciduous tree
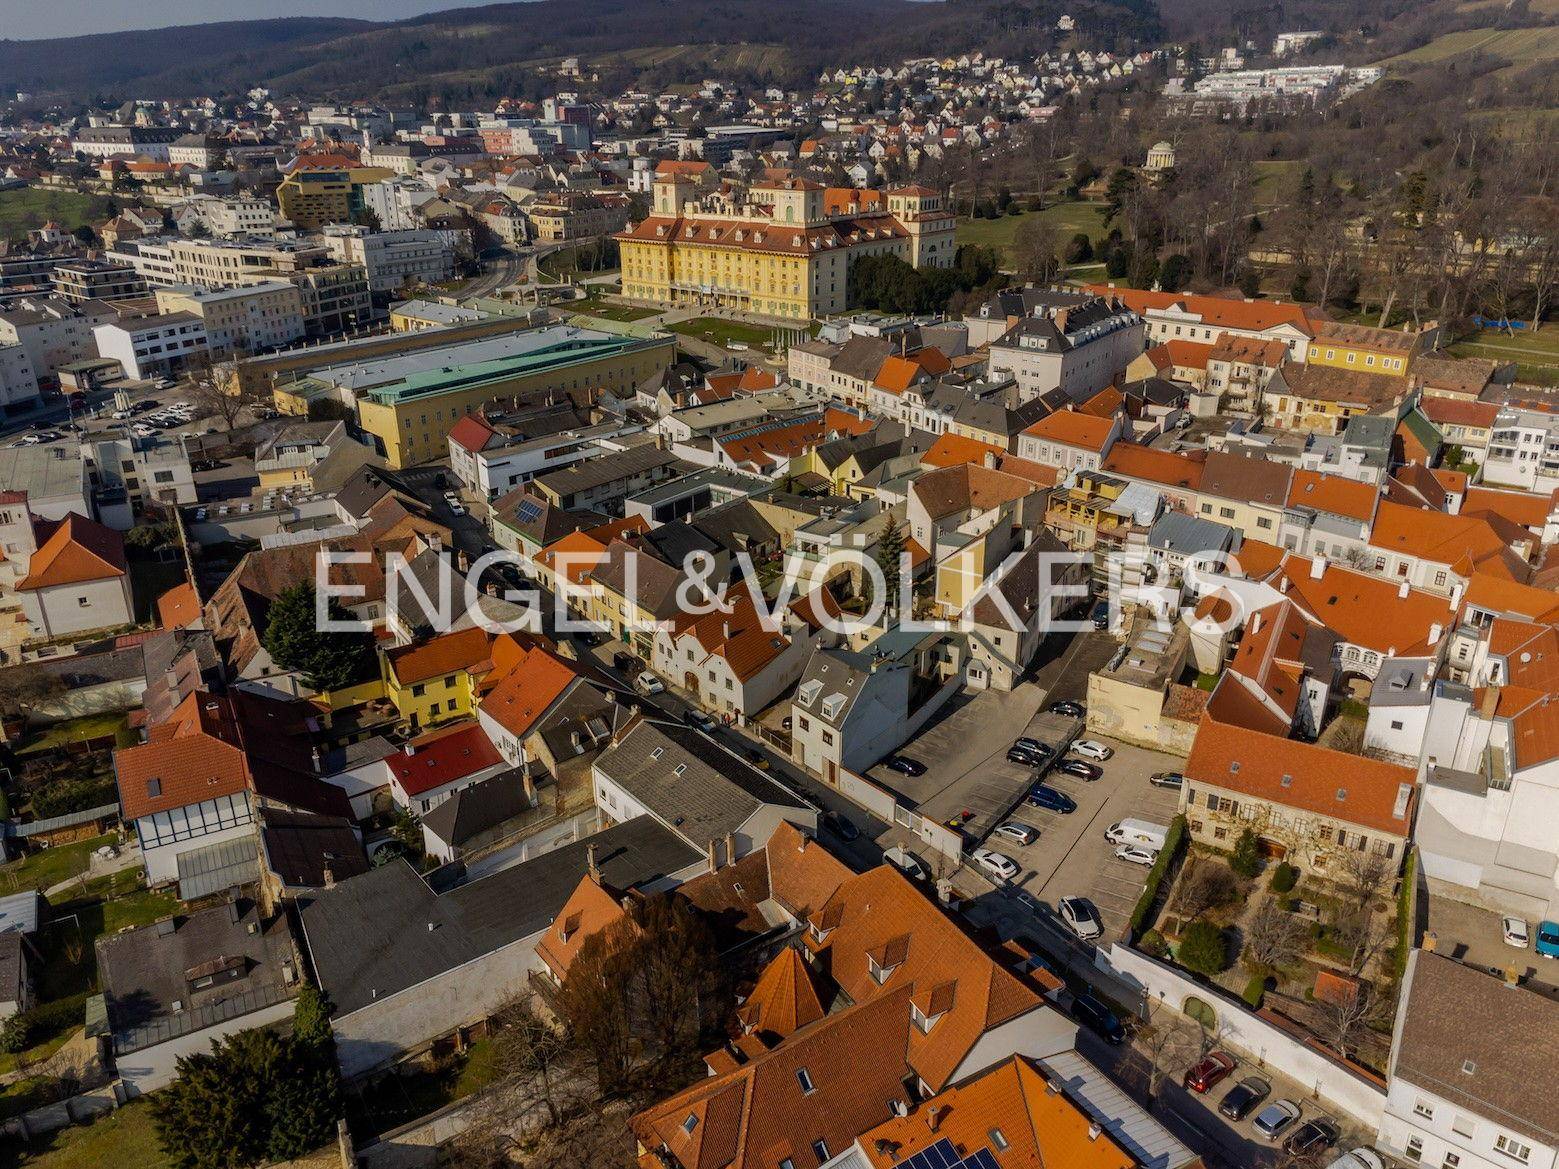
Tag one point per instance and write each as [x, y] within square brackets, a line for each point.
[1274, 939]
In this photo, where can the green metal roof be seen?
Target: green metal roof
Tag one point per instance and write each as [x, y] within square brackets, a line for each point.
[452, 378]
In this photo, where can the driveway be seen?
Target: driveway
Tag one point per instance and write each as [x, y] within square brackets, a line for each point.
[1474, 935]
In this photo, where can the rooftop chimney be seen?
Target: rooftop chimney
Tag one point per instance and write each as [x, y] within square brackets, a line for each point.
[407, 749]
[712, 856]
[591, 866]
[1094, 1130]
[330, 877]
[1317, 568]
[730, 848]
[933, 1116]
[1402, 589]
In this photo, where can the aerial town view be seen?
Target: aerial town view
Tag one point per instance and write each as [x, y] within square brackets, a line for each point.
[779, 584]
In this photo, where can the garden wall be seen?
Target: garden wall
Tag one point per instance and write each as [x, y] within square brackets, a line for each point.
[1260, 1039]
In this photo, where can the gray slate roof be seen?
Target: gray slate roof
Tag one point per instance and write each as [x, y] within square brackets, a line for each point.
[369, 937]
[699, 789]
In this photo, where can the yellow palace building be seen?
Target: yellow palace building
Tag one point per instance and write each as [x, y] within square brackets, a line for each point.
[780, 249]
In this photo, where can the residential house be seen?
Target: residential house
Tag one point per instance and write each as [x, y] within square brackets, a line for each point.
[708, 796]
[1464, 1086]
[78, 579]
[1306, 803]
[1070, 440]
[732, 663]
[429, 769]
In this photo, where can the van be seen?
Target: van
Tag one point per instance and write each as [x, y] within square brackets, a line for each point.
[1142, 832]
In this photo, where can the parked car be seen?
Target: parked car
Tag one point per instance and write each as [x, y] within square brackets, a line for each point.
[625, 661]
[1091, 749]
[840, 826]
[648, 683]
[1209, 1072]
[1069, 708]
[1515, 932]
[758, 759]
[1167, 779]
[1240, 1099]
[1052, 800]
[1136, 854]
[1080, 917]
[1025, 743]
[998, 865]
[907, 863]
[1275, 1118]
[697, 718]
[1025, 757]
[1021, 833]
[121, 414]
[1101, 615]
[1098, 1018]
[904, 765]
[1142, 833]
[457, 508]
[1548, 939]
[1360, 1158]
[1311, 1137]
[1077, 769]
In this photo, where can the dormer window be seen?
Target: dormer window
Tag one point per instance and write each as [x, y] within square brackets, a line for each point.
[689, 1124]
[809, 692]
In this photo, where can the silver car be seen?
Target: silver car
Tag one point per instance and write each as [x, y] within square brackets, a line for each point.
[1275, 1118]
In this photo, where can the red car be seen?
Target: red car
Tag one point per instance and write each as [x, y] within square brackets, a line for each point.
[1208, 1074]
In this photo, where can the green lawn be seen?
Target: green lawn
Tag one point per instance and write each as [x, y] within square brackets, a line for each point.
[723, 332]
[49, 867]
[591, 307]
[25, 208]
[1068, 218]
[76, 730]
[1536, 354]
[126, 1139]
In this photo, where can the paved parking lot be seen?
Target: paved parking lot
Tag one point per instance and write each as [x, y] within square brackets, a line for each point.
[1195, 1118]
[1071, 858]
[1474, 935]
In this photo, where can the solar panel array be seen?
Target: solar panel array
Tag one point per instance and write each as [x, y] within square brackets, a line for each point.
[942, 1155]
[529, 509]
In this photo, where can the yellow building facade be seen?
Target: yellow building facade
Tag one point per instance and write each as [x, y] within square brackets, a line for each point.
[313, 198]
[782, 250]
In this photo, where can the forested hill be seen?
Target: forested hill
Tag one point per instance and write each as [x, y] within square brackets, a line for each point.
[474, 53]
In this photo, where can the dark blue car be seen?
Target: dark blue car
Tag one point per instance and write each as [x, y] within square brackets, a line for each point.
[1052, 800]
[1098, 1018]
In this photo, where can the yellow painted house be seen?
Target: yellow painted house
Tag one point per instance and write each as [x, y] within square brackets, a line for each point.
[440, 679]
[1363, 349]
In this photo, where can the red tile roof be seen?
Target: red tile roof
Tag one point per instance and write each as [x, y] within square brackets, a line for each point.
[73, 550]
[955, 450]
[1217, 311]
[442, 756]
[179, 607]
[528, 691]
[1351, 788]
[471, 433]
[1073, 429]
[448, 653]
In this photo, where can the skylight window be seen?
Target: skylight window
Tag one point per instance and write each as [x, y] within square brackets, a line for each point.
[804, 1078]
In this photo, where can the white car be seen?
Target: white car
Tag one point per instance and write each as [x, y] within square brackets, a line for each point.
[456, 508]
[1515, 932]
[648, 683]
[1019, 833]
[1081, 918]
[907, 863]
[1136, 854]
[1358, 1159]
[994, 863]
[1091, 750]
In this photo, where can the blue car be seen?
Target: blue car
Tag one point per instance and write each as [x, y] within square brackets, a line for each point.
[1052, 800]
[1548, 939]
[1099, 1019]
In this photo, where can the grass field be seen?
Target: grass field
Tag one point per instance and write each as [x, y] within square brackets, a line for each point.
[125, 1139]
[1536, 354]
[1068, 218]
[49, 867]
[723, 332]
[25, 208]
[76, 730]
[592, 307]
[1520, 46]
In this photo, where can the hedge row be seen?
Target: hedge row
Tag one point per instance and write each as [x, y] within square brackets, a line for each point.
[1174, 840]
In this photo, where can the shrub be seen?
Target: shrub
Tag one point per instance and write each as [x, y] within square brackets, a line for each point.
[1284, 878]
[1153, 943]
[13, 1034]
[1246, 860]
[1203, 950]
[1254, 989]
[1173, 841]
